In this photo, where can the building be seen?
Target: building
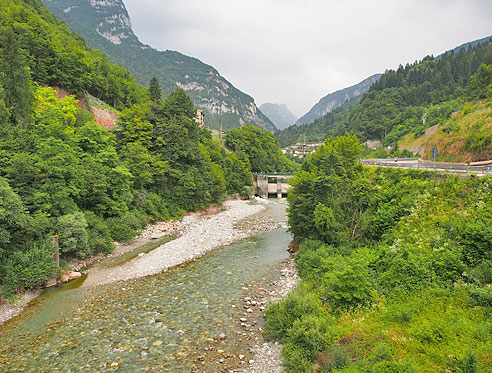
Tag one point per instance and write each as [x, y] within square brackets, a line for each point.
[200, 118]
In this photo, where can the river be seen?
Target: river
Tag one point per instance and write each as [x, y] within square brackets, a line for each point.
[174, 321]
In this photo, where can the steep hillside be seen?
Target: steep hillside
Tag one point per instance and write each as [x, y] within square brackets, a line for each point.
[465, 137]
[336, 99]
[105, 24]
[280, 115]
[407, 100]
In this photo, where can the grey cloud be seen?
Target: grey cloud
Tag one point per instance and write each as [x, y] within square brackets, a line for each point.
[298, 51]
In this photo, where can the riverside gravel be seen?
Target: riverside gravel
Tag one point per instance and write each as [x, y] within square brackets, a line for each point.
[199, 234]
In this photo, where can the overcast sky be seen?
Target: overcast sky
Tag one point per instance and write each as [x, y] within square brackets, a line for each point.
[297, 51]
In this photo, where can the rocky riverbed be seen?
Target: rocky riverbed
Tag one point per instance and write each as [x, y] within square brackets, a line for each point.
[267, 356]
[241, 337]
[198, 234]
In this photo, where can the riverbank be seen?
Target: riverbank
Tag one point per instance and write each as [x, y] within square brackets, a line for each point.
[198, 233]
[267, 356]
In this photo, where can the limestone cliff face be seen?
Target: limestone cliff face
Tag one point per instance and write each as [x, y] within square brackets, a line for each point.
[336, 99]
[106, 25]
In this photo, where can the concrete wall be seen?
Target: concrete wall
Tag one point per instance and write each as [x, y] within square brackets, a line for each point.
[270, 184]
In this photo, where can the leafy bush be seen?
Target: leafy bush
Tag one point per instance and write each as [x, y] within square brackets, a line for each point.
[311, 333]
[296, 359]
[281, 316]
[99, 236]
[127, 226]
[72, 230]
[341, 359]
[380, 352]
[25, 270]
[475, 237]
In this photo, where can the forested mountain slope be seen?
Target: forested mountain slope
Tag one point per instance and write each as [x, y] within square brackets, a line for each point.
[336, 99]
[106, 26]
[62, 174]
[399, 102]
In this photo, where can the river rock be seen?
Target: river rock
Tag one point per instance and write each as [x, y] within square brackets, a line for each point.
[74, 275]
[64, 278]
[221, 336]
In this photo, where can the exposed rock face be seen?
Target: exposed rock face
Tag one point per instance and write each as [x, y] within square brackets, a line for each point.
[334, 100]
[104, 117]
[106, 25]
[280, 115]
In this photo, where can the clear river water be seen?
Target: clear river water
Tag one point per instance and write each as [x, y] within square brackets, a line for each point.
[167, 322]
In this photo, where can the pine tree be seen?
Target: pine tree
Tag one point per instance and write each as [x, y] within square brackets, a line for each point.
[155, 92]
[16, 79]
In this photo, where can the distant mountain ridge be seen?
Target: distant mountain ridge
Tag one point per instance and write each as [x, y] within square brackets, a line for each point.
[336, 99]
[106, 25]
[470, 44]
[280, 115]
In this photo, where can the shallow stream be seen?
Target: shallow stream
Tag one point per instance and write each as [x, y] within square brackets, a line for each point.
[166, 322]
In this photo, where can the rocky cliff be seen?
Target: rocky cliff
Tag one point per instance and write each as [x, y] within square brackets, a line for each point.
[106, 25]
[336, 99]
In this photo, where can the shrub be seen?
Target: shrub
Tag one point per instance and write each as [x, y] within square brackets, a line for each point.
[99, 236]
[381, 352]
[401, 313]
[25, 270]
[296, 359]
[125, 227]
[340, 359]
[476, 239]
[469, 364]
[72, 232]
[280, 317]
[311, 333]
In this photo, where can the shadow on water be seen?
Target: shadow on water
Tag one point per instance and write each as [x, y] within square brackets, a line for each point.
[166, 322]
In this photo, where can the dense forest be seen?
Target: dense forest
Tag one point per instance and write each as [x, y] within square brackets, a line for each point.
[395, 267]
[62, 174]
[407, 100]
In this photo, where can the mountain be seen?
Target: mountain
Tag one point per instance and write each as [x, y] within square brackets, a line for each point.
[465, 46]
[336, 99]
[106, 25]
[280, 115]
[408, 100]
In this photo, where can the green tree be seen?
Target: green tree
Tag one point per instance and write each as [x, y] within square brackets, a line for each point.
[15, 76]
[155, 92]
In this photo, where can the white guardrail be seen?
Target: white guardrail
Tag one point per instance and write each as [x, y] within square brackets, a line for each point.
[415, 163]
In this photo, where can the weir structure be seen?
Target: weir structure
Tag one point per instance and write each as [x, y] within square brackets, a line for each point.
[271, 184]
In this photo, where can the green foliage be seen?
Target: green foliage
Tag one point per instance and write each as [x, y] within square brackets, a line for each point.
[126, 226]
[99, 238]
[155, 92]
[280, 317]
[341, 359]
[261, 147]
[312, 334]
[15, 77]
[296, 360]
[28, 269]
[55, 57]
[400, 100]
[72, 230]
[480, 85]
[61, 173]
[402, 263]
